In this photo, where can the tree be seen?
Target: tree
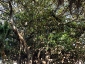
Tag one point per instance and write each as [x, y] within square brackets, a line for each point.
[43, 30]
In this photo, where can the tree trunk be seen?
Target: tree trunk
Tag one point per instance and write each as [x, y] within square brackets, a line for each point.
[20, 37]
[29, 58]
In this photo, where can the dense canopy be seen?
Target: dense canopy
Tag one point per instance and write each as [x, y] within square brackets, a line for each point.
[42, 31]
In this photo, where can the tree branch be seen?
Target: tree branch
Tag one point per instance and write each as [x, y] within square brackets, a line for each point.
[21, 39]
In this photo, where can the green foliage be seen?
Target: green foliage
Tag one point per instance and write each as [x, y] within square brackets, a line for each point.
[43, 26]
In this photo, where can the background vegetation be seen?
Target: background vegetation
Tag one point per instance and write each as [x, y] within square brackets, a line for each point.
[42, 31]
